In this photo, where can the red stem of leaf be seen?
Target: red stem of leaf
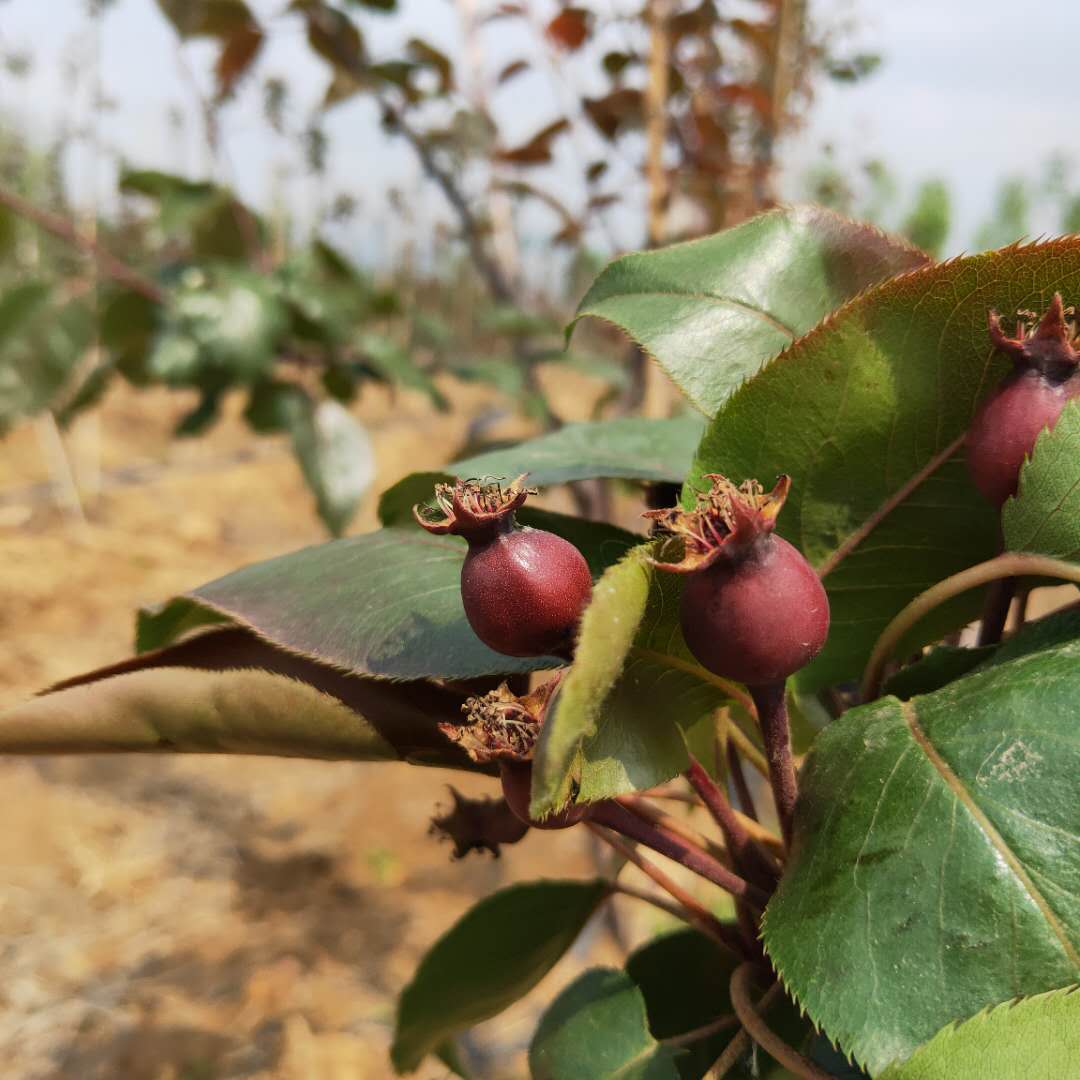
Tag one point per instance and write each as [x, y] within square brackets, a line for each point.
[749, 859]
[617, 817]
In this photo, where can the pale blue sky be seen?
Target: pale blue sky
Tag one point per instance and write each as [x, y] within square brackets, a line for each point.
[971, 90]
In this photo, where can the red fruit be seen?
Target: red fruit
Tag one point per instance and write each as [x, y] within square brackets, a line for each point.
[523, 589]
[1007, 424]
[753, 608]
[517, 787]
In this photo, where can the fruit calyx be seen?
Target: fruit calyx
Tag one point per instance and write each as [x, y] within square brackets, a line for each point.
[476, 509]
[1047, 346]
[729, 520]
[501, 725]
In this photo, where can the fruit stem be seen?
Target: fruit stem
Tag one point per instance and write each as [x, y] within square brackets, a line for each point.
[695, 912]
[1011, 564]
[738, 780]
[749, 859]
[618, 818]
[771, 702]
[999, 598]
[751, 1019]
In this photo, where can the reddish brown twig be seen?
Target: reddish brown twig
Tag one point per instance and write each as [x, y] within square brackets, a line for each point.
[64, 230]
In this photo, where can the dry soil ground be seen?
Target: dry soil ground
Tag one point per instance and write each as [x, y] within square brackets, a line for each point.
[198, 918]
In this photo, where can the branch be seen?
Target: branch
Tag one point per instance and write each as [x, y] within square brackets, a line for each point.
[489, 269]
[64, 230]
[1012, 564]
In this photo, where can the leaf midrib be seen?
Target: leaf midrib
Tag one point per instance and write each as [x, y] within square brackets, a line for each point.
[996, 840]
[711, 298]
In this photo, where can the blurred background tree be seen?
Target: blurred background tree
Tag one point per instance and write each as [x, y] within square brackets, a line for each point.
[541, 137]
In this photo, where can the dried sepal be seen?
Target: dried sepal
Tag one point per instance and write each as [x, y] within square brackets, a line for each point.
[501, 725]
[1047, 345]
[473, 507]
[477, 825]
[728, 519]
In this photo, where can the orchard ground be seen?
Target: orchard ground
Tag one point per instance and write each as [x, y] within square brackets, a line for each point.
[192, 918]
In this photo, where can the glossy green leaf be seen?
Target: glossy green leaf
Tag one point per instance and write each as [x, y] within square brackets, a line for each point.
[1044, 517]
[597, 1028]
[863, 413]
[937, 844]
[1036, 1038]
[683, 978]
[386, 604]
[336, 457]
[1049, 632]
[617, 723]
[629, 448]
[714, 311]
[494, 955]
[942, 665]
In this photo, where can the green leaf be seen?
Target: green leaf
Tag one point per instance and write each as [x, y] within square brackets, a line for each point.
[335, 456]
[942, 665]
[129, 322]
[181, 201]
[273, 405]
[617, 723]
[935, 839]
[597, 1028]
[396, 366]
[41, 345]
[190, 697]
[714, 311]
[195, 711]
[88, 393]
[232, 319]
[158, 625]
[211, 18]
[1036, 1038]
[628, 448]
[1044, 516]
[683, 977]
[494, 955]
[386, 604]
[864, 413]
[1057, 628]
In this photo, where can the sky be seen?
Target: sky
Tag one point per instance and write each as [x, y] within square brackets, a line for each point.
[968, 91]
